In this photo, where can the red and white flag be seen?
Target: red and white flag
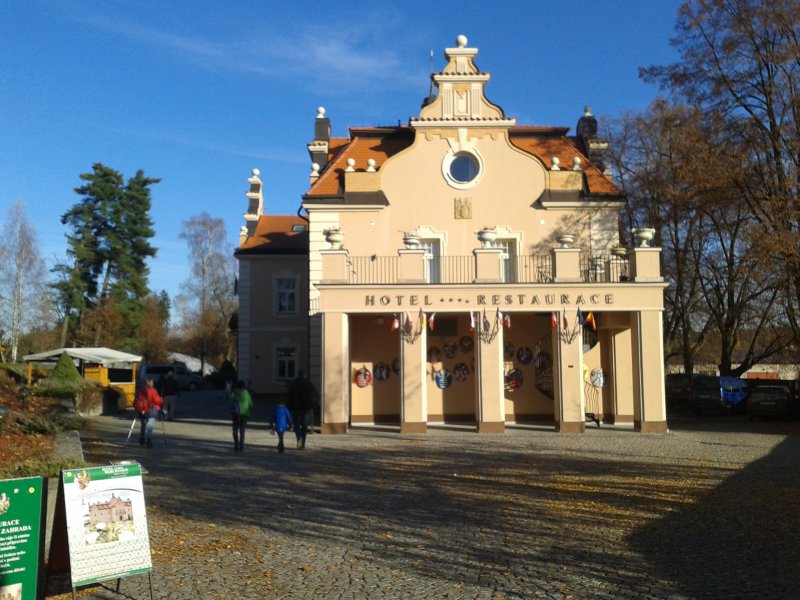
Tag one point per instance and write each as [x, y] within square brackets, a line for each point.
[553, 320]
[566, 323]
[471, 320]
[430, 321]
[507, 320]
[396, 323]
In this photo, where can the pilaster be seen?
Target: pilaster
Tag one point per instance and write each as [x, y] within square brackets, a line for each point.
[335, 373]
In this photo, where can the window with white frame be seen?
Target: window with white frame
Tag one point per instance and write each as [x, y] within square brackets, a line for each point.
[285, 363]
[432, 260]
[508, 259]
[286, 296]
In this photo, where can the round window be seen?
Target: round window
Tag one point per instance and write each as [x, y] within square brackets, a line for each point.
[464, 168]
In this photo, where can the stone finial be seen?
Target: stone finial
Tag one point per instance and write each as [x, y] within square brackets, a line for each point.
[321, 112]
[587, 111]
[461, 41]
[256, 172]
[555, 162]
[242, 234]
[314, 170]
[370, 165]
[576, 163]
[351, 163]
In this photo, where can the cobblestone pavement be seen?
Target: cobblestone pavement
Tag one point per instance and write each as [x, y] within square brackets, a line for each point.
[709, 510]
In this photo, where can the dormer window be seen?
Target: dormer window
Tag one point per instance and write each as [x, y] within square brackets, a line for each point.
[298, 228]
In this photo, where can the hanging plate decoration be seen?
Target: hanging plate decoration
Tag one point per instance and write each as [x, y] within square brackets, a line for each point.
[443, 378]
[363, 377]
[524, 355]
[434, 355]
[466, 344]
[597, 377]
[461, 371]
[514, 379]
[382, 371]
[508, 349]
[450, 349]
[396, 366]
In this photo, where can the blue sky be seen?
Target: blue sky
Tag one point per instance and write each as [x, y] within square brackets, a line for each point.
[199, 93]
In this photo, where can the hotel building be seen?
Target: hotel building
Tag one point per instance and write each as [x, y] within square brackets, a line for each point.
[461, 268]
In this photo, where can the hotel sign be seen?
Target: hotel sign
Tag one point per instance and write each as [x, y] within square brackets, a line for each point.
[554, 300]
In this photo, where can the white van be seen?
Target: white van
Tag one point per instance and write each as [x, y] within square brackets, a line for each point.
[184, 377]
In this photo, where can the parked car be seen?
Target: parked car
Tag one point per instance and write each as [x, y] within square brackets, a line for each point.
[678, 388]
[710, 392]
[773, 401]
[185, 378]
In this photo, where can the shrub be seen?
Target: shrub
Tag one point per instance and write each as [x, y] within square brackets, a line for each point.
[65, 374]
[49, 467]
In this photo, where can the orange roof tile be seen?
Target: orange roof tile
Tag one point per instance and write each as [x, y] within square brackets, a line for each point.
[274, 234]
[380, 143]
[377, 143]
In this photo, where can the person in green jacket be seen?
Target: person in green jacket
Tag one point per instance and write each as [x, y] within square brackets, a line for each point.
[240, 405]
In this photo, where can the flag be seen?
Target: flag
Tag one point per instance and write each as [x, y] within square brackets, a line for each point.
[471, 320]
[498, 317]
[423, 321]
[486, 325]
[581, 319]
[590, 320]
[395, 323]
[553, 320]
[507, 320]
[564, 317]
[430, 321]
[407, 325]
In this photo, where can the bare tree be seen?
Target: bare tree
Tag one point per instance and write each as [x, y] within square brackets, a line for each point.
[741, 59]
[208, 300]
[21, 275]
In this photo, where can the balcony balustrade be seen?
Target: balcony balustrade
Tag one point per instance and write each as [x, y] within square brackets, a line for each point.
[455, 270]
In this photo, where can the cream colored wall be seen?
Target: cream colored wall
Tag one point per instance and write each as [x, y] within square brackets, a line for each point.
[458, 400]
[261, 331]
[373, 342]
[420, 196]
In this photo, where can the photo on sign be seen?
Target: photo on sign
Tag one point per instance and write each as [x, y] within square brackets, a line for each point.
[108, 517]
[11, 592]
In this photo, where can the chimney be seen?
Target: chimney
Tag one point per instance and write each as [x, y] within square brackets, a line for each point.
[596, 148]
[318, 149]
[255, 204]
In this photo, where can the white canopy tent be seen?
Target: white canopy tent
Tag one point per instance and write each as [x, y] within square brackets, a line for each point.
[102, 356]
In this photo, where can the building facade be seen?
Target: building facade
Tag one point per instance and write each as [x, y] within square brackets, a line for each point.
[460, 268]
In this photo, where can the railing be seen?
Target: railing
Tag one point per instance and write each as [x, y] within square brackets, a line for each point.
[383, 270]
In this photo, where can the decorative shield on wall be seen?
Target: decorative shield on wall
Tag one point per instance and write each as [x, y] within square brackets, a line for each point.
[524, 355]
[434, 355]
[382, 371]
[514, 379]
[450, 349]
[461, 371]
[396, 365]
[597, 377]
[363, 377]
[466, 344]
[443, 378]
[508, 349]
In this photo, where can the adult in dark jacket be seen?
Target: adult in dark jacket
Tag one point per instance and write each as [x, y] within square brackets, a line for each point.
[301, 402]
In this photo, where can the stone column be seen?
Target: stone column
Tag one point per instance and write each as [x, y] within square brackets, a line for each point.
[413, 388]
[335, 373]
[649, 407]
[491, 413]
[568, 381]
[566, 264]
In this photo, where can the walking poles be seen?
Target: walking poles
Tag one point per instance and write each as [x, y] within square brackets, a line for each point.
[133, 424]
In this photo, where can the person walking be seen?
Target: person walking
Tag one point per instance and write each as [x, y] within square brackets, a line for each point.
[302, 400]
[281, 420]
[171, 391]
[148, 405]
[241, 402]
